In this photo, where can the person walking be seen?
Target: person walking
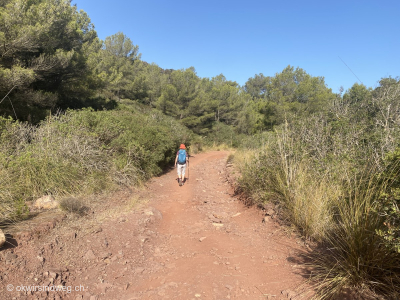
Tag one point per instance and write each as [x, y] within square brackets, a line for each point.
[181, 161]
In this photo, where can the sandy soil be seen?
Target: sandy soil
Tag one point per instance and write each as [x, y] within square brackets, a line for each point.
[198, 241]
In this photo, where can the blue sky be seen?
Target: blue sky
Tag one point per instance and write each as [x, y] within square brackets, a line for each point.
[242, 38]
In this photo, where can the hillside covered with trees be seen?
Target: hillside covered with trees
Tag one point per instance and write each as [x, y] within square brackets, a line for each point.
[52, 60]
[77, 109]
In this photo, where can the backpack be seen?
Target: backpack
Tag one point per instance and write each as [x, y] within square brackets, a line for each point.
[182, 157]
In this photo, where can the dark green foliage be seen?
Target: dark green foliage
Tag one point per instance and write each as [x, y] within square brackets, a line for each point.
[135, 134]
[43, 62]
[257, 86]
[114, 65]
[224, 134]
[59, 63]
[291, 92]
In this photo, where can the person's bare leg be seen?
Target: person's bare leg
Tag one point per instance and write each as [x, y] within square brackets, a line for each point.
[179, 175]
[183, 174]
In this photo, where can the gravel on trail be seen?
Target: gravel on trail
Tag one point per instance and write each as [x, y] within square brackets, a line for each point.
[196, 241]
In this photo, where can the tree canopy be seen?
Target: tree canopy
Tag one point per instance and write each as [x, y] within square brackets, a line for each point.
[52, 59]
[43, 63]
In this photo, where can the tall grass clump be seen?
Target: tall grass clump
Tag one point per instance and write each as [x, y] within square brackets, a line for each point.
[83, 152]
[335, 176]
[354, 258]
[278, 173]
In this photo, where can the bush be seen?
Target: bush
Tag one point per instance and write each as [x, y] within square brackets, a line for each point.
[334, 185]
[84, 152]
[302, 195]
[389, 202]
[73, 205]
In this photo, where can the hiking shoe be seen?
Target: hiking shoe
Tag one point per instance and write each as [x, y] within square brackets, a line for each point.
[180, 182]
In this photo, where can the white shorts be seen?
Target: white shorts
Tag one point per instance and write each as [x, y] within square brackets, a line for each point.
[181, 169]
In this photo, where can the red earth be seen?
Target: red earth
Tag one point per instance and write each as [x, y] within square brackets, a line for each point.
[198, 241]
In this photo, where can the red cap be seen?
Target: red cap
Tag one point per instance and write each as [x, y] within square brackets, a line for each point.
[182, 146]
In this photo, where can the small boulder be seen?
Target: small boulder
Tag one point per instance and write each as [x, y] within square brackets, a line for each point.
[152, 215]
[46, 202]
[270, 212]
[266, 219]
[89, 255]
[2, 238]
[151, 211]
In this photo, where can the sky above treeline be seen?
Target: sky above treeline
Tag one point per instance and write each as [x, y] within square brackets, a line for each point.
[343, 41]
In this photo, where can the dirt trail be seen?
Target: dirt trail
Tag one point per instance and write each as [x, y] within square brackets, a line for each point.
[192, 242]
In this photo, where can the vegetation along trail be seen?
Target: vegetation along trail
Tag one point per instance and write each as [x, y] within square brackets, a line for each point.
[197, 241]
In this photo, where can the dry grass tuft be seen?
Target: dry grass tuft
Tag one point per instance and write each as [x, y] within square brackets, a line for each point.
[73, 205]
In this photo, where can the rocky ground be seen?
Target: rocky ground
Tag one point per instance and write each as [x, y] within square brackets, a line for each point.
[198, 241]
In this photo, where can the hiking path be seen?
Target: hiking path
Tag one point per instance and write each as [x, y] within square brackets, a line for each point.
[198, 241]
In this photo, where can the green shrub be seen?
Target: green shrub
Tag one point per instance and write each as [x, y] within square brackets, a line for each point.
[84, 152]
[223, 134]
[389, 202]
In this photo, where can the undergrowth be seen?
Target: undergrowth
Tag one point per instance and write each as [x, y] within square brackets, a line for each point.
[83, 152]
[340, 189]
